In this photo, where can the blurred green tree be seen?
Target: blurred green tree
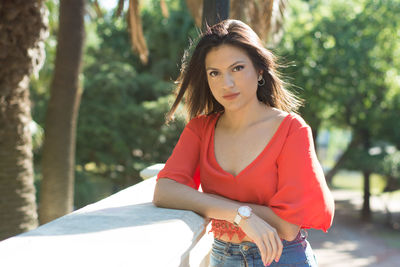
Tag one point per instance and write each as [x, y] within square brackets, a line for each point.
[112, 71]
[121, 126]
[347, 62]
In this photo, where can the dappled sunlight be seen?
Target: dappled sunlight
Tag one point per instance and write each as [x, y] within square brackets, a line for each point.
[351, 242]
[336, 254]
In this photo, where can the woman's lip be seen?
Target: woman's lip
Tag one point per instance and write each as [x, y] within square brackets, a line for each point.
[231, 96]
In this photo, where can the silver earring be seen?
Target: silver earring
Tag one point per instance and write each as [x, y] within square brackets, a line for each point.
[261, 81]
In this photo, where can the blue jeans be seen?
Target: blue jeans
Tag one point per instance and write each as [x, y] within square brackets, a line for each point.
[246, 254]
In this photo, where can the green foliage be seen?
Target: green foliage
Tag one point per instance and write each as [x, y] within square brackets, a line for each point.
[167, 38]
[389, 128]
[353, 180]
[342, 52]
[37, 135]
[364, 160]
[391, 165]
[90, 188]
[121, 121]
[121, 126]
[347, 62]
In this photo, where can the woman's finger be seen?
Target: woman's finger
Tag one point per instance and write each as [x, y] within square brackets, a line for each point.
[262, 249]
[273, 245]
[268, 246]
[265, 237]
[280, 247]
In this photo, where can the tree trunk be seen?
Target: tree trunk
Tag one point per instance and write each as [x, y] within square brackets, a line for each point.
[340, 161]
[58, 163]
[366, 210]
[265, 17]
[196, 9]
[214, 11]
[22, 31]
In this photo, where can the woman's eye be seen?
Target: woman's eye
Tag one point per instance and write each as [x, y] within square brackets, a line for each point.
[238, 68]
[213, 73]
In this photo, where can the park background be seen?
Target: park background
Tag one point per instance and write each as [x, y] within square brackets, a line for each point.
[341, 57]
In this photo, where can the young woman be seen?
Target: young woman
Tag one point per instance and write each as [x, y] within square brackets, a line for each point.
[253, 156]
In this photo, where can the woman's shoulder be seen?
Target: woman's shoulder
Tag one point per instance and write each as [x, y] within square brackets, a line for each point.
[290, 120]
[296, 121]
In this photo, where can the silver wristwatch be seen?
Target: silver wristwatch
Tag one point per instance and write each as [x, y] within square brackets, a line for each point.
[243, 212]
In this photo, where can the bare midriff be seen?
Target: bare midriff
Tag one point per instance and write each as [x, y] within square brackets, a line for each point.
[235, 239]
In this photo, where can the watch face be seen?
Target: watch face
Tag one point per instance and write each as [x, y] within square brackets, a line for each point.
[244, 211]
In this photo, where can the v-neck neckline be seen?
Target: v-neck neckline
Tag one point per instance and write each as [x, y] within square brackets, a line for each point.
[274, 136]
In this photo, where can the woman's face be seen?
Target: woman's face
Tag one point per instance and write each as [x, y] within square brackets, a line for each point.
[231, 77]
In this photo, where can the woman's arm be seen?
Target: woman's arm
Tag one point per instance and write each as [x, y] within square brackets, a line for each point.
[171, 194]
[285, 229]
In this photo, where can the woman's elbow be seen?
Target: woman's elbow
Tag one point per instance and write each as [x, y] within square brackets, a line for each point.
[156, 201]
[160, 192]
[156, 196]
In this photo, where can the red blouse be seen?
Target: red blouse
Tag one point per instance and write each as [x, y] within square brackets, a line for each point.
[286, 176]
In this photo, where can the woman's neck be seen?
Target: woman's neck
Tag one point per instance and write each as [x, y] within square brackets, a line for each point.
[238, 120]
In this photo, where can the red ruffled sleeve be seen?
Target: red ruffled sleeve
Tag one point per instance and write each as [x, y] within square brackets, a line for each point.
[303, 197]
[183, 164]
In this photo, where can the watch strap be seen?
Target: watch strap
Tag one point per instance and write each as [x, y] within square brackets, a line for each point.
[237, 219]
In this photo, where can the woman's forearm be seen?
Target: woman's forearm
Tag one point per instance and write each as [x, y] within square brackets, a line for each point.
[285, 229]
[171, 194]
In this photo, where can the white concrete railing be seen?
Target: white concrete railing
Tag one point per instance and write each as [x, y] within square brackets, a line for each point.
[125, 229]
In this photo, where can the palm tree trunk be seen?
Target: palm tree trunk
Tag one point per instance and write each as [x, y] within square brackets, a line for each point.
[196, 9]
[58, 163]
[214, 11]
[22, 31]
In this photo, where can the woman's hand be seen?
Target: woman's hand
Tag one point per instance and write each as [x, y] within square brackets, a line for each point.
[286, 230]
[264, 236]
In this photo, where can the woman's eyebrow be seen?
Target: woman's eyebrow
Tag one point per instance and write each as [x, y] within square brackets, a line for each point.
[236, 62]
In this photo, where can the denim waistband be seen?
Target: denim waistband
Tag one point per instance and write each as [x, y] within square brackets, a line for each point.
[250, 246]
[297, 252]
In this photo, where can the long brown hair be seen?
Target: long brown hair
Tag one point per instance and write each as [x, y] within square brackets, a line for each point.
[193, 78]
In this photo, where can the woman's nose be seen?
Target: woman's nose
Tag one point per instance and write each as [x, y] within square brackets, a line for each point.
[228, 81]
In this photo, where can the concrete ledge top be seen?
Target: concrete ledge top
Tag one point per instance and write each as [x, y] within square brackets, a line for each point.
[151, 171]
[125, 229]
